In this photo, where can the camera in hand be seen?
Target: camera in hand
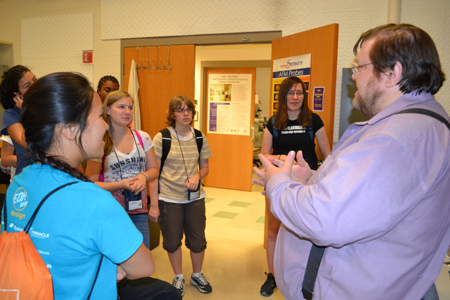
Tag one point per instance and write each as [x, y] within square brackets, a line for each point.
[196, 190]
[198, 187]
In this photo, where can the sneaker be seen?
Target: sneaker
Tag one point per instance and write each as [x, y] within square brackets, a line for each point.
[268, 286]
[178, 283]
[201, 283]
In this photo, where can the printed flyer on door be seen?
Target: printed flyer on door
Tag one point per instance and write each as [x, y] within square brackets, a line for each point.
[299, 66]
[229, 103]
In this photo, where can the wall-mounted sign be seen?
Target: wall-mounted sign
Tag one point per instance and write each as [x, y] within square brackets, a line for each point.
[229, 103]
[298, 66]
[87, 56]
[318, 98]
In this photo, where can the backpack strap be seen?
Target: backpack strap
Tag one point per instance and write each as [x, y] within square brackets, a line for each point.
[139, 138]
[274, 127]
[4, 215]
[101, 176]
[427, 113]
[199, 141]
[166, 144]
[311, 132]
[274, 133]
[96, 276]
[30, 222]
[309, 129]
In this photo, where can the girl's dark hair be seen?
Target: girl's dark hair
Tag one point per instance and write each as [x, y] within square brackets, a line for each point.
[281, 117]
[177, 102]
[105, 79]
[58, 98]
[10, 85]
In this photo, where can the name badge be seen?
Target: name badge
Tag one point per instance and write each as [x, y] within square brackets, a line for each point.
[134, 204]
[132, 201]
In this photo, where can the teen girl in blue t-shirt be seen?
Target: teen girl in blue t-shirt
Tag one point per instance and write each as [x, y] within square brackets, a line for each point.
[81, 223]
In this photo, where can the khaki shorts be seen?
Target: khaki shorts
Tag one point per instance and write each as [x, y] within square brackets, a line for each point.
[176, 218]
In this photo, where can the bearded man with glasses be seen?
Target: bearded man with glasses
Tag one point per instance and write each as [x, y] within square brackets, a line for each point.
[375, 215]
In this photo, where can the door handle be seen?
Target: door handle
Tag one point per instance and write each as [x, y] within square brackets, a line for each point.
[252, 133]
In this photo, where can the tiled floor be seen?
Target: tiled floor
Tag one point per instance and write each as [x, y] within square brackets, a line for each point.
[235, 259]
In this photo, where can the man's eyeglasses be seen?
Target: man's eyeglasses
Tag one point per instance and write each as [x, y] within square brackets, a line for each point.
[355, 68]
[181, 111]
[291, 94]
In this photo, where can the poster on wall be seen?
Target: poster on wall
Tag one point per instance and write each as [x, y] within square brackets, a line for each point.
[299, 66]
[318, 98]
[229, 103]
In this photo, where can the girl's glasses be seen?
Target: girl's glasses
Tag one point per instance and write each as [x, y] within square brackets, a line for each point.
[180, 110]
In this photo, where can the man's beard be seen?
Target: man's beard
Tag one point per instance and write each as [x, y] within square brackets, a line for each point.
[368, 104]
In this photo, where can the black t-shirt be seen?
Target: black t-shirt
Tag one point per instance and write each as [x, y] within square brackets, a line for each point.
[296, 137]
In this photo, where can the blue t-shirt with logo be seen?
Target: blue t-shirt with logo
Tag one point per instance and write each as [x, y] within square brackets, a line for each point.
[10, 117]
[73, 229]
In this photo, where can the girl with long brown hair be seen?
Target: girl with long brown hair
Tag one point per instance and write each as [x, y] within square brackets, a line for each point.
[293, 127]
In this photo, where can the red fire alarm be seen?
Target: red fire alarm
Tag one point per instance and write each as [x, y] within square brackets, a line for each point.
[87, 57]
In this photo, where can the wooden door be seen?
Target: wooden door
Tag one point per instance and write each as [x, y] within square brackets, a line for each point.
[322, 44]
[158, 86]
[232, 161]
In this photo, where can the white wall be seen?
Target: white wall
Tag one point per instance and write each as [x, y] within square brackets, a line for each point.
[43, 32]
[58, 40]
[116, 19]
[434, 17]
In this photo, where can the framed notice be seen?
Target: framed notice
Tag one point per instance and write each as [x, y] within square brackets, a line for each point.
[318, 98]
[229, 103]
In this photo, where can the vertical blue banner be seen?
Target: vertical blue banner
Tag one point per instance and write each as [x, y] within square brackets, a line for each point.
[318, 98]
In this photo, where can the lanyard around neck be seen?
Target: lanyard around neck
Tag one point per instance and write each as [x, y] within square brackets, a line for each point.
[139, 155]
[181, 149]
